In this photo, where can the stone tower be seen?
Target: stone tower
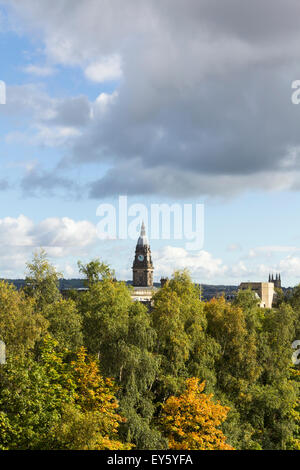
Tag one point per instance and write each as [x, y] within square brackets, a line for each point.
[276, 281]
[142, 265]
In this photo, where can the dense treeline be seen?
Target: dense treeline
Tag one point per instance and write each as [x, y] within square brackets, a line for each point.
[98, 371]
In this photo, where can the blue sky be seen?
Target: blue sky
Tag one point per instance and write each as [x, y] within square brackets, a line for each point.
[186, 107]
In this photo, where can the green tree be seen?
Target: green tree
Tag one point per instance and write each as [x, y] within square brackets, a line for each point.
[65, 323]
[119, 332]
[294, 301]
[93, 423]
[95, 271]
[253, 370]
[20, 325]
[42, 281]
[294, 442]
[31, 396]
[55, 404]
[276, 393]
[236, 366]
[180, 325]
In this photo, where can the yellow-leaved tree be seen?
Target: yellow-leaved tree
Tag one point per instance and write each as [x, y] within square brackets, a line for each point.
[95, 397]
[192, 420]
[91, 420]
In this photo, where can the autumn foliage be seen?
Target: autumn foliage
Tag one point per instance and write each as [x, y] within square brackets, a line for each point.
[96, 394]
[192, 420]
[93, 370]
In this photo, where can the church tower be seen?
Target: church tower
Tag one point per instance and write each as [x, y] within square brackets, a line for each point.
[276, 281]
[142, 265]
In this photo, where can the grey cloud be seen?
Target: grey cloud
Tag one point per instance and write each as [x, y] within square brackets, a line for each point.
[33, 101]
[204, 106]
[39, 182]
[4, 184]
[73, 112]
[132, 179]
[81, 24]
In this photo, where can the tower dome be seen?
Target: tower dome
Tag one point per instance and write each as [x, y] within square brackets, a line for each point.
[143, 240]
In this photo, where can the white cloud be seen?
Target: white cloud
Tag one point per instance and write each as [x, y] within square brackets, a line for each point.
[109, 68]
[103, 102]
[16, 231]
[39, 71]
[290, 266]
[60, 237]
[239, 270]
[202, 265]
[70, 271]
[64, 233]
[52, 232]
[234, 247]
[53, 136]
[271, 250]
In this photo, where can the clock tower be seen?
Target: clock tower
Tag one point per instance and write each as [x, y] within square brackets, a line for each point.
[142, 265]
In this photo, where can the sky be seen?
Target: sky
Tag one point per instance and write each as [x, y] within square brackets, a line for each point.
[185, 102]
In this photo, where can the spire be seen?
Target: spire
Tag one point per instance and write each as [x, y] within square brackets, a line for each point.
[269, 277]
[143, 240]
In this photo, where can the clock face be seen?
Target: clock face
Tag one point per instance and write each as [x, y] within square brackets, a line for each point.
[141, 258]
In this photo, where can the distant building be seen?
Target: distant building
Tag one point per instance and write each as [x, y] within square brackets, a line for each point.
[143, 270]
[276, 281]
[264, 291]
[142, 264]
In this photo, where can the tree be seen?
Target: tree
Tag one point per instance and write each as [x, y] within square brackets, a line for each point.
[139, 371]
[237, 361]
[95, 271]
[275, 344]
[294, 442]
[42, 281]
[31, 397]
[180, 325]
[119, 332]
[20, 325]
[104, 309]
[294, 301]
[274, 395]
[65, 323]
[236, 366]
[192, 421]
[82, 431]
[253, 370]
[94, 422]
[55, 404]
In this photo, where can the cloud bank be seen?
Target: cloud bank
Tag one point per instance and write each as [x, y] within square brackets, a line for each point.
[60, 237]
[204, 92]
